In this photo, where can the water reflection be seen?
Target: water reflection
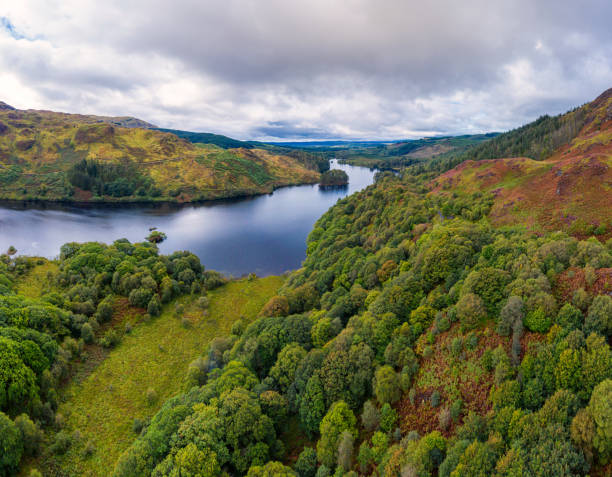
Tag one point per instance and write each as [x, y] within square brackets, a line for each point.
[263, 234]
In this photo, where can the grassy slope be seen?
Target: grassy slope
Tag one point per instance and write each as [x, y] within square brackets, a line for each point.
[155, 355]
[574, 182]
[38, 147]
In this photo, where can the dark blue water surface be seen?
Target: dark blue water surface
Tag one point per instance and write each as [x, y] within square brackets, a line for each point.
[263, 234]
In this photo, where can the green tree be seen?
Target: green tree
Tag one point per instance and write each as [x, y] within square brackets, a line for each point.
[312, 406]
[283, 371]
[387, 386]
[193, 462]
[338, 419]
[370, 417]
[600, 409]
[306, 464]
[11, 445]
[346, 446]
[271, 469]
[471, 310]
[388, 418]
[599, 318]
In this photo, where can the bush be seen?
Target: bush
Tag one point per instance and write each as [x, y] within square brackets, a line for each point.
[151, 396]
[140, 297]
[31, 435]
[434, 400]
[154, 306]
[276, 306]
[87, 333]
[104, 312]
[444, 418]
[62, 443]
[203, 302]
[111, 338]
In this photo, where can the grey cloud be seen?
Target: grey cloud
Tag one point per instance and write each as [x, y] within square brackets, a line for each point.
[355, 69]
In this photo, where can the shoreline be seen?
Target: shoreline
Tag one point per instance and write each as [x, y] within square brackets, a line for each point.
[240, 196]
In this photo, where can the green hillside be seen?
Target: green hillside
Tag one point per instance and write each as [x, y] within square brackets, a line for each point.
[65, 157]
[422, 336]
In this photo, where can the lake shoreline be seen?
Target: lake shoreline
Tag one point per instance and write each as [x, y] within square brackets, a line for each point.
[147, 202]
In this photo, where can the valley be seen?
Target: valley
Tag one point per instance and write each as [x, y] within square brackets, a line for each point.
[451, 317]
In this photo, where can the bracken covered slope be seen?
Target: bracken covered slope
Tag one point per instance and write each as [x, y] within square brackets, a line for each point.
[570, 190]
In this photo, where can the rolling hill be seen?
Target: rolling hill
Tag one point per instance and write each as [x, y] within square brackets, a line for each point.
[53, 156]
[555, 173]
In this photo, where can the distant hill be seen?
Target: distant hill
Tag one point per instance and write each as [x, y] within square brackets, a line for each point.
[394, 154]
[209, 138]
[46, 155]
[554, 173]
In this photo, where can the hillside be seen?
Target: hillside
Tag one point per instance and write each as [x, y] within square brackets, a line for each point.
[56, 156]
[569, 187]
[424, 335]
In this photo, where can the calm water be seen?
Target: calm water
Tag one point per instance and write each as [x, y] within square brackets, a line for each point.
[264, 234]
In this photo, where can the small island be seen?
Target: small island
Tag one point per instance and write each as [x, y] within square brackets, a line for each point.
[334, 178]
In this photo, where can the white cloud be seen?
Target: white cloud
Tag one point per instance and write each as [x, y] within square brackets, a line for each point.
[355, 69]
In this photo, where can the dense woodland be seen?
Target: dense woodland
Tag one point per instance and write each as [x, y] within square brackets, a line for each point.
[392, 279]
[417, 339]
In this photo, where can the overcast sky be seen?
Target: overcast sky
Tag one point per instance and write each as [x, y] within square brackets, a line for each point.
[289, 69]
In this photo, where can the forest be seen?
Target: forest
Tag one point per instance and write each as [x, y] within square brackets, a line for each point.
[419, 338]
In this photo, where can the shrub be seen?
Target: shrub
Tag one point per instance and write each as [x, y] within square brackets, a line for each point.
[111, 338]
[276, 306]
[151, 396]
[434, 399]
[388, 418]
[203, 302]
[455, 409]
[140, 297]
[104, 312]
[87, 333]
[444, 418]
[154, 306]
[62, 443]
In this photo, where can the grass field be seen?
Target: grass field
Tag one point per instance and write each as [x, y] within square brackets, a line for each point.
[100, 408]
